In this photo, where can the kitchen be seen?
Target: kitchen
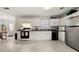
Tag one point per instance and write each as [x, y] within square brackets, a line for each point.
[36, 27]
[39, 28]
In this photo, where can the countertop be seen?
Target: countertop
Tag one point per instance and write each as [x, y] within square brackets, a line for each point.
[40, 30]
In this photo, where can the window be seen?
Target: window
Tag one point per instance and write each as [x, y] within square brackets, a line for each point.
[11, 27]
[44, 23]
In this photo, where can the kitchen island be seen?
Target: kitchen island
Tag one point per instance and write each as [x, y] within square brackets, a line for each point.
[39, 34]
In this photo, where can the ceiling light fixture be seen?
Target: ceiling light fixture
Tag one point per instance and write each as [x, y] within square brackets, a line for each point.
[47, 8]
[6, 8]
[61, 7]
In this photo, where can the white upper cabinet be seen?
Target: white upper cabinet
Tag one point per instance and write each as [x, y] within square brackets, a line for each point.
[54, 22]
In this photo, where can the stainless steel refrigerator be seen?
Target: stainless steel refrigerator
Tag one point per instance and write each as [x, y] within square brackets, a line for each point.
[72, 36]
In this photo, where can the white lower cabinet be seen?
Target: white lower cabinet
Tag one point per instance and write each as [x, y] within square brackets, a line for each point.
[40, 35]
[62, 36]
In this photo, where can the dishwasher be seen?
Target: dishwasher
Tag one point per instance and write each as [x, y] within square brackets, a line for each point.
[72, 37]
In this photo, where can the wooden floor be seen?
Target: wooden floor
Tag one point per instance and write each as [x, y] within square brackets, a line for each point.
[11, 45]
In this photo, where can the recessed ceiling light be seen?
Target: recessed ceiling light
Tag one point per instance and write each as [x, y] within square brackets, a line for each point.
[61, 7]
[47, 8]
[6, 8]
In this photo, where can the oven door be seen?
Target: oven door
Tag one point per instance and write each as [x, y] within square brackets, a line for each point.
[24, 34]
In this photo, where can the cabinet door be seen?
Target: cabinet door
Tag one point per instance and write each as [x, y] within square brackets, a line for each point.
[54, 22]
[40, 35]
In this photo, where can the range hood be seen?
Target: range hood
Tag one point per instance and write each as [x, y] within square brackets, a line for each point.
[26, 25]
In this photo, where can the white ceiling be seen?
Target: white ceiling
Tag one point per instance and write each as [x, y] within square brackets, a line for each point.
[35, 11]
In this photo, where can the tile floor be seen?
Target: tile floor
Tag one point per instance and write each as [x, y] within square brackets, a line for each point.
[11, 45]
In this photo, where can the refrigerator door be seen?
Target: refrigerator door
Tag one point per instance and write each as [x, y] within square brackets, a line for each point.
[72, 37]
